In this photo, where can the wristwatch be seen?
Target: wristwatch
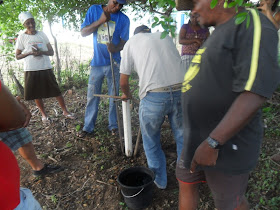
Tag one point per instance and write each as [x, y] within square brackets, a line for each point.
[214, 144]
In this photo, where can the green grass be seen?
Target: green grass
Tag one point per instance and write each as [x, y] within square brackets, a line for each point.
[264, 185]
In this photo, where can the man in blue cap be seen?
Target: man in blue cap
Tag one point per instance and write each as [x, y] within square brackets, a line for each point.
[96, 20]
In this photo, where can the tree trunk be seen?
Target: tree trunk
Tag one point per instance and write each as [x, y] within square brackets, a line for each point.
[20, 89]
[1, 77]
[58, 66]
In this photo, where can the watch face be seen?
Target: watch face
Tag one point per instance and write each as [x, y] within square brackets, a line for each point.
[212, 143]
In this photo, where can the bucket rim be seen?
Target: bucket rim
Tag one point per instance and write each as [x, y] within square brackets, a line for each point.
[136, 187]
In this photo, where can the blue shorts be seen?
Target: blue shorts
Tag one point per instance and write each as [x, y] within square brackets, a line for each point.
[16, 138]
[27, 200]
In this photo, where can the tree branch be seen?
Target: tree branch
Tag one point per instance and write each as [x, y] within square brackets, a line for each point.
[167, 13]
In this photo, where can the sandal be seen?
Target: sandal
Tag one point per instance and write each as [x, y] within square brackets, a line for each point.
[70, 116]
[45, 120]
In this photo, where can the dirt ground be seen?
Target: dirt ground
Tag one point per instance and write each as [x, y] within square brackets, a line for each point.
[91, 165]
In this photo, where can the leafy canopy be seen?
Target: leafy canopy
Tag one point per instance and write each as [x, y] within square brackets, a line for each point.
[74, 11]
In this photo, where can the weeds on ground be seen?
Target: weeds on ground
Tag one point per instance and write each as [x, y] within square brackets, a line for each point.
[54, 199]
[264, 182]
[264, 185]
[76, 76]
[271, 120]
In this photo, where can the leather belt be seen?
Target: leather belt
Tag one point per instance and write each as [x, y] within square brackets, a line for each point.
[171, 88]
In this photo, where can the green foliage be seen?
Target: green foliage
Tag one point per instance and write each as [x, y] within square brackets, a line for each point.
[54, 199]
[76, 75]
[213, 4]
[264, 185]
[69, 144]
[123, 205]
[266, 110]
[231, 4]
[270, 116]
[44, 155]
[239, 2]
[167, 23]
[72, 12]
[240, 17]
[84, 155]
[248, 21]
[161, 11]
[78, 128]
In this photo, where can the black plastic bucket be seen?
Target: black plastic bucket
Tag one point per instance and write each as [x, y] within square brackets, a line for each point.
[137, 186]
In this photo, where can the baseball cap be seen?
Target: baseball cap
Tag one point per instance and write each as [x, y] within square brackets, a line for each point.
[121, 1]
[142, 28]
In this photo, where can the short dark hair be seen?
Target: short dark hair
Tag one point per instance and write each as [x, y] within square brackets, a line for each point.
[1, 1]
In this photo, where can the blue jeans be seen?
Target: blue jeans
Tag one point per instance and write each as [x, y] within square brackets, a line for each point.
[152, 111]
[96, 78]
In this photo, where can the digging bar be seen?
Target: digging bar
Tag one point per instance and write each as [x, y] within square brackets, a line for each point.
[107, 96]
[115, 93]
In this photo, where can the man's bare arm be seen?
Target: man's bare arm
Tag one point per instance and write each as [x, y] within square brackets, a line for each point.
[124, 83]
[88, 30]
[12, 115]
[116, 48]
[239, 114]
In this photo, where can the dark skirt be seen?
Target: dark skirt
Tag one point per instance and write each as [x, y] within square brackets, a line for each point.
[40, 84]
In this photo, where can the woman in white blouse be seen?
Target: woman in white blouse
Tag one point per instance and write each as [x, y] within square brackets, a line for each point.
[34, 47]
